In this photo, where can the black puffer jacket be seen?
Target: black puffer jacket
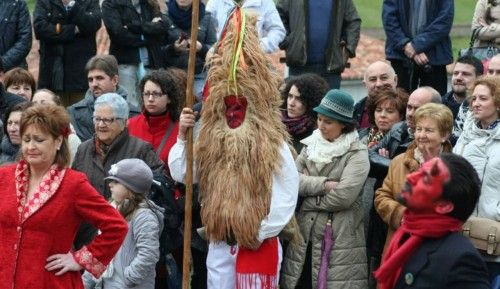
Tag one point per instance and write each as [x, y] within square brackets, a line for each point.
[396, 141]
[15, 34]
[63, 52]
[126, 27]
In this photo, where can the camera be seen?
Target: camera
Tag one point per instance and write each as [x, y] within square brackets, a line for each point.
[427, 68]
[184, 36]
[410, 63]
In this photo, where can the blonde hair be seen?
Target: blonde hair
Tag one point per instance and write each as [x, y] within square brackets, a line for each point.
[438, 112]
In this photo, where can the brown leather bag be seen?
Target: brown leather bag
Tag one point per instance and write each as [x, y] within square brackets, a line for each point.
[484, 234]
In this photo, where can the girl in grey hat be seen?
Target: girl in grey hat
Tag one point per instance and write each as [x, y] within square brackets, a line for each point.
[134, 264]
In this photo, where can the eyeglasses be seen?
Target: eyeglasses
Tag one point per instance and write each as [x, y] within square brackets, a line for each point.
[105, 121]
[154, 94]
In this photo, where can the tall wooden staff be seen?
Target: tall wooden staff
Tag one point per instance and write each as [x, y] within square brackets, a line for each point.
[186, 264]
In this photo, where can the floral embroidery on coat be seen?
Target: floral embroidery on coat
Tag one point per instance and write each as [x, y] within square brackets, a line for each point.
[85, 258]
[47, 188]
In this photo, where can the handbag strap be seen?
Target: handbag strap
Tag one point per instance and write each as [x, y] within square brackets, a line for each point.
[165, 138]
[473, 37]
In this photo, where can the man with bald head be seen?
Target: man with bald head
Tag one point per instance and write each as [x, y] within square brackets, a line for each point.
[494, 65]
[378, 75]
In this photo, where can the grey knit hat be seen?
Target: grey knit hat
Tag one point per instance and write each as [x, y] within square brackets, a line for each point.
[338, 105]
[133, 174]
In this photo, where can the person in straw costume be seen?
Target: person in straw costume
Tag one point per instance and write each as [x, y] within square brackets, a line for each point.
[246, 173]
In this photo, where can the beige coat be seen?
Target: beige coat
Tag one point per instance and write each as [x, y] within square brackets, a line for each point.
[490, 32]
[348, 266]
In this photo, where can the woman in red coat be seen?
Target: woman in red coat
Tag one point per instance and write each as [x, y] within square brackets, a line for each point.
[158, 122]
[42, 204]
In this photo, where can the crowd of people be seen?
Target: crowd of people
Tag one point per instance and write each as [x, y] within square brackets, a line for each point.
[297, 185]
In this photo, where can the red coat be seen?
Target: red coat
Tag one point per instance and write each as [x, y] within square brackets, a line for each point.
[151, 129]
[48, 226]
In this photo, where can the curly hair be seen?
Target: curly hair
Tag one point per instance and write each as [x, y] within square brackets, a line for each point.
[312, 88]
[397, 98]
[493, 84]
[166, 81]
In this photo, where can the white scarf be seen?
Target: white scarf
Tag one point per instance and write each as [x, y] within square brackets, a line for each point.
[321, 151]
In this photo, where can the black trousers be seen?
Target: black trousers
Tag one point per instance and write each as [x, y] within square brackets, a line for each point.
[411, 76]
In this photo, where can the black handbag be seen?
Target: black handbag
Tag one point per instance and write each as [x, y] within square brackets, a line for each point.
[482, 53]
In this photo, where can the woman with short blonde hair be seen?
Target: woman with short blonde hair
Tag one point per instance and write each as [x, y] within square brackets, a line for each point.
[433, 126]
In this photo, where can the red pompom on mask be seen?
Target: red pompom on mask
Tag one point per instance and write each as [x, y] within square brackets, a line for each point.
[425, 186]
[236, 107]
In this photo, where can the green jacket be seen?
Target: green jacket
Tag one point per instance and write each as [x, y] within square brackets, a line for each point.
[343, 38]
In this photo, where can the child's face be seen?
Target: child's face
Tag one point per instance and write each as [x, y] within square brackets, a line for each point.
[118, 191]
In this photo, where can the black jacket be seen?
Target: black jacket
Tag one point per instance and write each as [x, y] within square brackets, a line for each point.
[451, 103]
[15, 34]
[63, 55]
[206, 36]
[126, 27]
[7, 100]
[450, 262]
[396, 142]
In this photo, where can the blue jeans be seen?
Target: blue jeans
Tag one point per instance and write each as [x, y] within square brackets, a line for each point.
[129, 80]
[199, 82]
[333, 79]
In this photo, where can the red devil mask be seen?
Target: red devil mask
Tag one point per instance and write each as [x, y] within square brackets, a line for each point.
[236, 107]
[425, 186]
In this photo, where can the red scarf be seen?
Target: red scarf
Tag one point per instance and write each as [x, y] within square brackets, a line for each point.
[260, 264]
[419, 227]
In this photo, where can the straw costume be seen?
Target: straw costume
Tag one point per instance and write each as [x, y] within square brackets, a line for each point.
[247, 177]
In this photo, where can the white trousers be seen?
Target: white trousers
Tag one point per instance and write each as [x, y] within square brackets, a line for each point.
[221, 266]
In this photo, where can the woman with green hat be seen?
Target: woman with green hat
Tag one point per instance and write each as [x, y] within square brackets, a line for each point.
[334, 166]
